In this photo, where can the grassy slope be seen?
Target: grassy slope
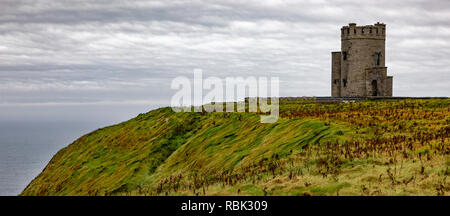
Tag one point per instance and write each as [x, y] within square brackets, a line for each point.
[118, 158]
[162, 152]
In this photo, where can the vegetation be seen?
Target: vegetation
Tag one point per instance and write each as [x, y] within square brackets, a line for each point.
[380, 147]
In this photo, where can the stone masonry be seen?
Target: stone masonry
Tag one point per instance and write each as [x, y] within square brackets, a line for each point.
[359, 70]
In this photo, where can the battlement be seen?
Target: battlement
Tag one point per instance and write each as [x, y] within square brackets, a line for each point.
[352, 31]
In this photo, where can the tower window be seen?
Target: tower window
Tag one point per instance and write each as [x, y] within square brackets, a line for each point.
[377, 59]
[336, 81]
[370, 30]
[354, 31]
[345, 82]
[362, 30]
[348, 31]
[344, 55]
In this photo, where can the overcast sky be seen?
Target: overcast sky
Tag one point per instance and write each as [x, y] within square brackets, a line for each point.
[79, 56]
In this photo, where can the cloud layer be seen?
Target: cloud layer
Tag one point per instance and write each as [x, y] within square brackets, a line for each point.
[57, 52]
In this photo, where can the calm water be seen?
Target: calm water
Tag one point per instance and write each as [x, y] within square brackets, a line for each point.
[26, 147]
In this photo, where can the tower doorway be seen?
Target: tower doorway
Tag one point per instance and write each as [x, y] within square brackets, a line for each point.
[374, 88]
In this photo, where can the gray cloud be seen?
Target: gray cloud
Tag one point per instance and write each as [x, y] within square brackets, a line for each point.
[96, 51]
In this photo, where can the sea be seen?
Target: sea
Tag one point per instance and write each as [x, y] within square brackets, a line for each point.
[27, 147]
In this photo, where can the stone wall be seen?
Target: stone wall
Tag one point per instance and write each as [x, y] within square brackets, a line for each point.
[389, 86]
[376, 79]
[336, 74]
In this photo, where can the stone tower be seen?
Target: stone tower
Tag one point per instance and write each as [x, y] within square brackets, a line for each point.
[359, 70]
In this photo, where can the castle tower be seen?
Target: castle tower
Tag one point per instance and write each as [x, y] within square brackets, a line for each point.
[359, 70]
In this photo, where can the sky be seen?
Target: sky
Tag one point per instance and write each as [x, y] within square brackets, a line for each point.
[114, 59]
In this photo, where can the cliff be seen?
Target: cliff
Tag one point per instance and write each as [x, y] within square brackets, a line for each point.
[361, 148]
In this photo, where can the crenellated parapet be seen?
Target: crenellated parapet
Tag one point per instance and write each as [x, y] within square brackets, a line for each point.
[352, 31]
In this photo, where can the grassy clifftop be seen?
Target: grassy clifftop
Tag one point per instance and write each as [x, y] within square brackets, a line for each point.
[368, 148]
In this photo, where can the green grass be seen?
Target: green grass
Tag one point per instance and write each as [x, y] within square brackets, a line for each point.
[313, 149]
